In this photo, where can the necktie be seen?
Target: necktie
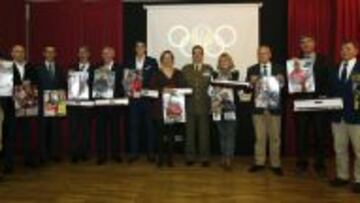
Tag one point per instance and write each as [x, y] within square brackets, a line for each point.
[265, 71]
[51, 70]
[343, 76]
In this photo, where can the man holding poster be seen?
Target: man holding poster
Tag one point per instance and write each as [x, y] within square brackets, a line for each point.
[314, 67]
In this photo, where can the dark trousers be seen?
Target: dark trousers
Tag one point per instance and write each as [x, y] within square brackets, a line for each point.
[80, 125]
[9, 132]
[49, 138]
[318, 122]
[107, 130]
[165, 140]
[140, 118]
[23, 127]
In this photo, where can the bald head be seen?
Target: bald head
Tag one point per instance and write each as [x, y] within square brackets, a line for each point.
[264, 54]
[108, 54]
[18, 53]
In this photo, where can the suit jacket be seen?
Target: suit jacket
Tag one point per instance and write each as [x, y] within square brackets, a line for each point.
[119, 74]
[150, 67]
[29, 75]
[199, 102]
[345, 91]
[255, 71]
[321, 68]
[46, 82]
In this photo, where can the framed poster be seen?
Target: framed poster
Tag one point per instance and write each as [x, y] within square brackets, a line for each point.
[133, 82]
[174, 107]
[300, 76]
[54, 103]
[6, 79]
[26, 98]
[78, 86]
[104, 84]
[267, 93]
[222, 103]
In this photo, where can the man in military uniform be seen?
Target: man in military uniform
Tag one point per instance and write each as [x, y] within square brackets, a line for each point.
[197, 76]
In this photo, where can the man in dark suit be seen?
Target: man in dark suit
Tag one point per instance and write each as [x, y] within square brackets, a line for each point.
[108, 117]
[23, 71]
[50, 77]
[267, 121]
[140, 107]
[80, 117]
[312, 120]
[346, 123]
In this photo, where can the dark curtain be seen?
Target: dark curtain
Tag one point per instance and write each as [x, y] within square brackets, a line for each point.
[12, 23]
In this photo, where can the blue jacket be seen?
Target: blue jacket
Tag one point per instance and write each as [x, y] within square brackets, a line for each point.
[150, 68]
[345, 91]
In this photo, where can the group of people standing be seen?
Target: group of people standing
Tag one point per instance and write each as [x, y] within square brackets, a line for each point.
[145, 115]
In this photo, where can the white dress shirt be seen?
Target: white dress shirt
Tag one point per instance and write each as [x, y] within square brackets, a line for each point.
[84, 66]
[109, 65]
[139, 62]
[268, 66]
[21, 68]
[350, 66]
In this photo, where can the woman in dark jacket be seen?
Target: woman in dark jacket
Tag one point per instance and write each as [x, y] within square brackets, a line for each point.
[163, 80]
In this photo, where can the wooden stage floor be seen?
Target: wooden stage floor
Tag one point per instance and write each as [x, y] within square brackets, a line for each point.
[143, 182]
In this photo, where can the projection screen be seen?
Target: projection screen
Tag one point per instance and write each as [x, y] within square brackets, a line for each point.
[232, 28]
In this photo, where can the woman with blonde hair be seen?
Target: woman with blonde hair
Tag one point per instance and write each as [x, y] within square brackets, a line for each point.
[224, 108]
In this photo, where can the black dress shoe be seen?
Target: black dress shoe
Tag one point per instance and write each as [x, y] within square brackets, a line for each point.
[151, 158]
[85, 158]
[338, 182]
[117, 159]
[56, 159]
[189, 163]
[74, 160]
[170, 163]
[301, 171]
[256, 168]
[8, 170]
[31, 164]
[205, 164]
[356, 188]
[133, 159]
[160, 163]
[101, 161]
[320, 171]
[277, 171]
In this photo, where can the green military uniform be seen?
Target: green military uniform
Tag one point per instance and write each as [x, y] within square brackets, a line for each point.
[197, 106]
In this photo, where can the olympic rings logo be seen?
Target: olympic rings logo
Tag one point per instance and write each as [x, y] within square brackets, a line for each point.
[214, 41]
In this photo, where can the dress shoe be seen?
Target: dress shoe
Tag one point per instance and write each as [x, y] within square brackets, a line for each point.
[133, 159]
[189, 163]
[256, 168]
[277, 171]
[356, 188]
[8, 170]
[205, 164]
[117, 159]
[338, 182]
[101, 161]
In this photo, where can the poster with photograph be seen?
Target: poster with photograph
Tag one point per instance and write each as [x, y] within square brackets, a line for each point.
[222, 103]
[174, 107]
[6, 79]
[133, 82]
[356, 91]
[300, 76]
[26, 100]
[78, 86]
[104, 84]
[54, 103]
[267, 93]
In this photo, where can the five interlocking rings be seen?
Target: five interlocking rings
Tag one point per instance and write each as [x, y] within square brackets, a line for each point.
[214, 41]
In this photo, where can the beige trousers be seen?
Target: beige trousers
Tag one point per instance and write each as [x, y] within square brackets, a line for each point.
[1, 127]
[345, 134]
[267, 126]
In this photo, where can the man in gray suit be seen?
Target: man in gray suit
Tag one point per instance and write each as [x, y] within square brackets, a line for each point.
[197, 76]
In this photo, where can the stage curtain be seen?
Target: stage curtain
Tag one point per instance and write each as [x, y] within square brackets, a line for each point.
[68, 24]
[12, 23]
[347, 23]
